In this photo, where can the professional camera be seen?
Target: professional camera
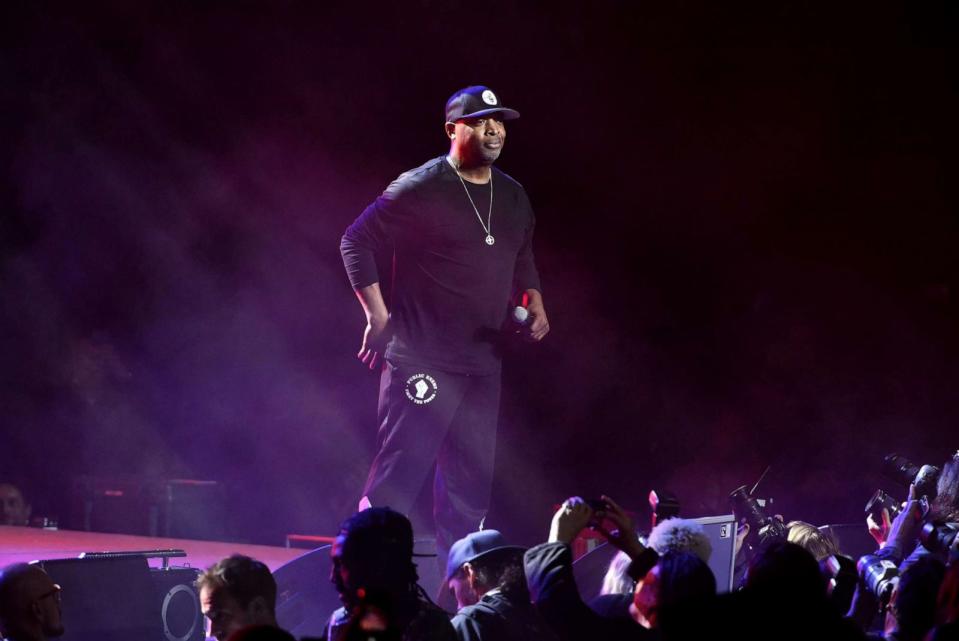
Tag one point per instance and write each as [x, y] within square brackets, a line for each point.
[902, 470]
[939, 538]
[747, 508]
[841, 579]
[879, 574]
[879, 501]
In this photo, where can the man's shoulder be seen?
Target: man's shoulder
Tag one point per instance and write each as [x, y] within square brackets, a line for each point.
[512, 182]
[431, 622]
[476, 611]
[491, 605]
[418, 177]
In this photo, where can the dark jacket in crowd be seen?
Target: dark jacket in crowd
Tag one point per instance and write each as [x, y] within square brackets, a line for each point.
[549, 573]
[496, 617]
[430, 623]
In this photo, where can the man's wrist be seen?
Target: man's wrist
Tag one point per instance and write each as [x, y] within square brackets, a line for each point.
[632, 547]
[559, 534]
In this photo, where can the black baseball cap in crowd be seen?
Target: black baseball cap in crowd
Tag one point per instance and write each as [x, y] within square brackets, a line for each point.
[475, 102]
[474, 546]
[378, 530]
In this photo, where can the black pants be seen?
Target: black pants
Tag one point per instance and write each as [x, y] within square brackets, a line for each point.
[428, 416]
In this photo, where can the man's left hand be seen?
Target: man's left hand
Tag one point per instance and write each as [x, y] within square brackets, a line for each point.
[539, 324]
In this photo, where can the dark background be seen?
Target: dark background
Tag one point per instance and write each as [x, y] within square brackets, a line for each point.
[746, 235]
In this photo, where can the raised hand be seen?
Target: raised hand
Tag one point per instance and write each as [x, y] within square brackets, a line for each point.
[623, 533]
[571, 517]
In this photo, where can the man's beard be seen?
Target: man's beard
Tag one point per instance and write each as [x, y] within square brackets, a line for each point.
[53, 631]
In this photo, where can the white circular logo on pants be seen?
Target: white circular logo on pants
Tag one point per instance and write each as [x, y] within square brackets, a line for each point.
[489, 97]
[421, 388]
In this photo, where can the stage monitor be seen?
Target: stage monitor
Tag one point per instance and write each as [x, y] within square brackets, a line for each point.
[107, 599]
[721, 531]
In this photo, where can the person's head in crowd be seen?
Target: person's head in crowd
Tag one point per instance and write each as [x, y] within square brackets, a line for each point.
[912, 607]
[617, 579]
[237, 592]
[373, 557]
[811, 539]
[261, 632]
[483, 561]
[678, 576]
[681, 535]
[29, 604]
[15, 508]
[945, 507]
[785, 569]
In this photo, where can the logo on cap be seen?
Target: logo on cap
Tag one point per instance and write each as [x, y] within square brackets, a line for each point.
[421, 388]
[489, 97]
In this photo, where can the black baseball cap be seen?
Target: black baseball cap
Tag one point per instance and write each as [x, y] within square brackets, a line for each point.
[474, 102]
[474, 546]
[378, 529]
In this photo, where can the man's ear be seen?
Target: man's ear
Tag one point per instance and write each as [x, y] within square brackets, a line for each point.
[451, 130]
[258, 609]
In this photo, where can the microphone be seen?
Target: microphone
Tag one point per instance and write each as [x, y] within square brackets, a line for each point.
[520, 316]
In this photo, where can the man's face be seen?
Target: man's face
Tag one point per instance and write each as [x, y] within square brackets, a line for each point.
[340, 571]
[479, 141]
[223, 611]
[43, 597]
[461, 587]
[51, 615]
[13, 509]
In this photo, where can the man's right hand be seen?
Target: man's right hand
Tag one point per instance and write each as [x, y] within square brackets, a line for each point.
[377, 333]
[623, 535]
[375, 337]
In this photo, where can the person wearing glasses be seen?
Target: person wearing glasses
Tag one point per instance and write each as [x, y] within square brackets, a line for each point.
[29, 604]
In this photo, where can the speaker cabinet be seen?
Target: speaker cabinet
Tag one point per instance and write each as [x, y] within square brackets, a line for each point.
[119, 599]
[106, 599]
[180, 614]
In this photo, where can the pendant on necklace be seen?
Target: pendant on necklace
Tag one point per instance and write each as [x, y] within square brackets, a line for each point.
[489, 239]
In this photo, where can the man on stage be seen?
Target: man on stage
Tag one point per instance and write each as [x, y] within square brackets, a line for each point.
[460, 232]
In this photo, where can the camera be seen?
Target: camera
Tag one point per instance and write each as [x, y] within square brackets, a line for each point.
[841, 579]
[939, 538]
[879, 574]
[747, 508]
[596, 505]
[900, 469]
[879, 501]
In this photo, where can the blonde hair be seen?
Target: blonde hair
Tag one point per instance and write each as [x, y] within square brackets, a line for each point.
[681, 535]
[811, 539]
[617, 579]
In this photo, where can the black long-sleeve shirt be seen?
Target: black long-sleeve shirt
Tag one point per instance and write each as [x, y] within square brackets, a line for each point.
[451, 289]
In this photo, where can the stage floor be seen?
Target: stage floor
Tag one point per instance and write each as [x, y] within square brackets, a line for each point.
[25, 544]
